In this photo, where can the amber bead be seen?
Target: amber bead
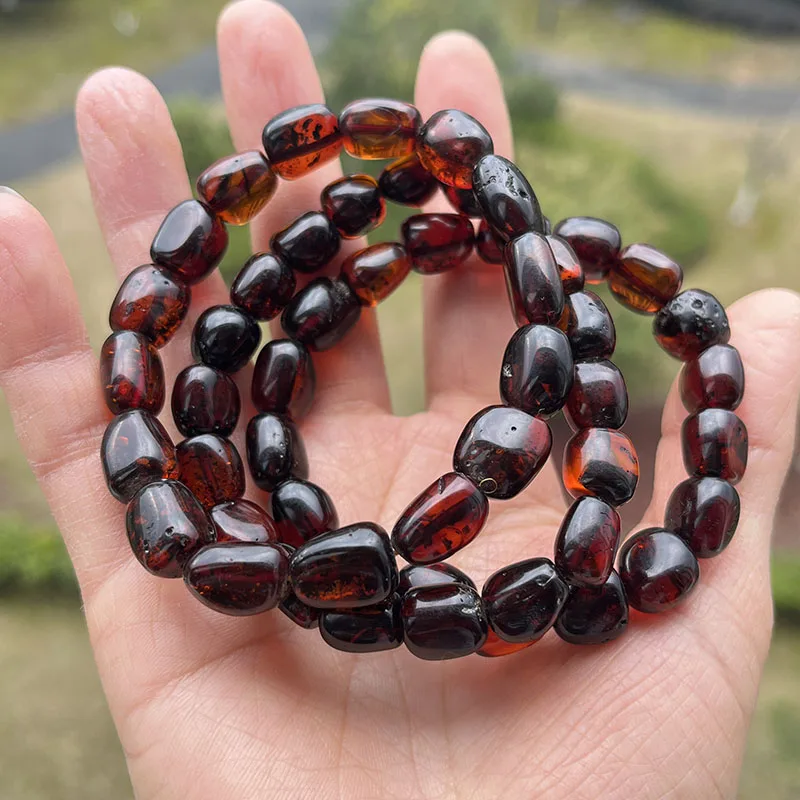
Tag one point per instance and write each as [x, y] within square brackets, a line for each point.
[536, 375]
[301, 139]
[321, 314]
[190, 242]
[166, 527]
[587, 542]
[494, 646]
[283, 379]
[447, 516]
[212, 468]
[354, 205]
[407, 182]
[150, 302]
[302, 510]
[704, 512]
[594, 614]
[379, 128]
[296, 610]
[715, 379]
[715, 445]
[131, 373]
[442, 574]
[237, 187]
[442, 622]
[533, 281]
[376, 271]
[644, 279]
[264, 286]
[596, 243]
[450, 144]
[462, 200]
[275, 451]
[437, 242]
[589, 326]
[364, 630]
[308, 244]
[242, 521]
[569, 265]
[205, 400]
[136, 450]
[225, 337]
[488, 247]
[691, 322]
[501, 450]
[351, 567]
[657, 570]
[599, 398]
[602, 463]
[239, 579]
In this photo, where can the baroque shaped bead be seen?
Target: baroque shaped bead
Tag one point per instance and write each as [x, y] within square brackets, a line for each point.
[378, 128]
[302, 510]
[442, 574]
[715, 445]
[205, 400]
[462, 200]
[589, 327]
[691, 322]
[714, 379]
[594, 614]
[275, 451]
[371, 629]
[644, 279]
[437, 242]
[376, 271]
[598, 398]
[283, 379]
[487, 245]
[296, 610]
[354, 205]
[131, 373]
[242, 521]
[225, 337]
[597, 244]
[533, 281]
[569, 265]
[211, 467]
[264, 286]
[407, 182]
[308, 244]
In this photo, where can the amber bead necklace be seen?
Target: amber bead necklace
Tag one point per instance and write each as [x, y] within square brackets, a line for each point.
[186, 516]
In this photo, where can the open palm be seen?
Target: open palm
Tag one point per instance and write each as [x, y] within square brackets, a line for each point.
[213, 707]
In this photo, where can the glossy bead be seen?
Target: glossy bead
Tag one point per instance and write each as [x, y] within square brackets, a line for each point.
[569, 265]
[239, 579]
[212, 468]
[594, 614]
[321, 314]
[205, 400]
[301, 139]
[225, 337]
[601, 463]
[437, 242]
[533, 281]
[166, 526]
[441, 622]
[536, 375]
[644, 279]
[376, 271]
[501, 450]
[596, 243]
[589, 326]
[599, 398]
[715, 379]
[379, 128]
[351, 567]
[150, 302]
[494, 646]
[308, 244]
[442, 574]
[302, 510]
[507, 200]
[190, 242]
[354, 204]
[715, 445]
[657, 569]
[447, 516]
[450, 144]
[136, 450]
[237, 187]
[462, 200]
[242, 521]
[487, 245]
[296, 610]
[587, 542]
[364, 630]
[131, 373]
[264, 286]
[704, 512]
[275, 451]
[407, 182]
[691, 322]
[284, 379]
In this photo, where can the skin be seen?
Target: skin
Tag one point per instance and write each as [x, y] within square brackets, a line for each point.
[213, 707]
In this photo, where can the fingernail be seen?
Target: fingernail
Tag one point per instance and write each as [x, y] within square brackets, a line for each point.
[9, 190]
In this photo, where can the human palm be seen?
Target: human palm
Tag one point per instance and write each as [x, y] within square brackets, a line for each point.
[213, 707]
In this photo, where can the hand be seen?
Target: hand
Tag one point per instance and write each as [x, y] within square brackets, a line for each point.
[213, 707]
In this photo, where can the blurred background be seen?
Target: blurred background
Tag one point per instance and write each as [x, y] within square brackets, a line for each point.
[677, 119]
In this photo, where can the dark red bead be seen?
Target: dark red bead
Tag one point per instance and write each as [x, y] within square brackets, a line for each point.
[150, 302]
[462, 200]
[536, 375]
[494, 646]
[190, 242]
[239, 579]
[596, 243]
[715, 445]
[212, 468]
[205, 400]
[437, 242]
[284, 379]
[594, 615]
[569, 265]
[447, 516]
[166, 527]
[501, 450]
[242, 521]
[275, 451]
[376, 271]
[354, 204]
[691, 322]
[657, 569]
[225, 337]
[589, 326]
[487, 245]
[533, 281]
[704, 512]
[302, 510]
[308, 244]
[599, 398]
[131, 373]
[407, 182]
[442, 574]
[715, 379]
[644, 279]
[379, 128]
[264, 286]
[297, 611]
[364, 630]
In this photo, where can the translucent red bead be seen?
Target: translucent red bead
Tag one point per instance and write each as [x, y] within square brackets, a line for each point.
[437, 242]
[379, 128]
[131, 373]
